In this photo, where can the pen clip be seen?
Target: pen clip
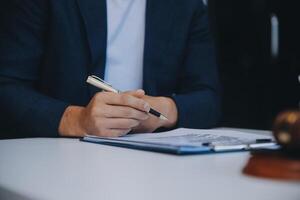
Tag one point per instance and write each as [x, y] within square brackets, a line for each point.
[101, 80]
[98, 82]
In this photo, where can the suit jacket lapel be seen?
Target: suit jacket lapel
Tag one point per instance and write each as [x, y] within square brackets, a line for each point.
[159, 19]
[95, 19]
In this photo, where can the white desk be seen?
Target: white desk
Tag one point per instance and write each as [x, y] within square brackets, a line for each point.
[67, 169]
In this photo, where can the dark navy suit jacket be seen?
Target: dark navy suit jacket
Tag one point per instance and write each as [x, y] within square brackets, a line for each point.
[49, 47]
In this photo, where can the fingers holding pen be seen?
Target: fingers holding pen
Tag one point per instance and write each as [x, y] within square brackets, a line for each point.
[110, 114]
[124, 112]
[124, 100]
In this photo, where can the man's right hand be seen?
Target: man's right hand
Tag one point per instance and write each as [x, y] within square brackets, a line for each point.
[107, 115]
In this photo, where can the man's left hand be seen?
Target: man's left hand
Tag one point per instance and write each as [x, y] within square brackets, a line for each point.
[165, 106]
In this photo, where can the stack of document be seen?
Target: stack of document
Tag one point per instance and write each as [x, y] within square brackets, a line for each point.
[190, 141]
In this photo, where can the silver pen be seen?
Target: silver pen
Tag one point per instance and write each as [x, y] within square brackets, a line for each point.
[101, 84]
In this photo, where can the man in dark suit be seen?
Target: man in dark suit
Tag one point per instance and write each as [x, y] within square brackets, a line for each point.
[49, 47]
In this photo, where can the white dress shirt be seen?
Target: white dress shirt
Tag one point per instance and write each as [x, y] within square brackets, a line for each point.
[125, 43]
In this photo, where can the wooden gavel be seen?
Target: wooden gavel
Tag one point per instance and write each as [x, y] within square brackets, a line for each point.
[285, 163]
[287, 130]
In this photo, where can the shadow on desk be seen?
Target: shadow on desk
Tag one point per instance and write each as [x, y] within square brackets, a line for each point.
[6, 194]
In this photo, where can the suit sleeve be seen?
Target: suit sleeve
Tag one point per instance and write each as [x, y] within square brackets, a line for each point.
[24, 111]
[197, 98]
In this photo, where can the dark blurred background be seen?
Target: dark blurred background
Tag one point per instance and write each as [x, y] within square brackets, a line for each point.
[256, 84]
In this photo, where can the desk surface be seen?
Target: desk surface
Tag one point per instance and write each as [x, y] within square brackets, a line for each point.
[48, 169]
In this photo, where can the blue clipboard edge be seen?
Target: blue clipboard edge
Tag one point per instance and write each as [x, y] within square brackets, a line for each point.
[167, 149]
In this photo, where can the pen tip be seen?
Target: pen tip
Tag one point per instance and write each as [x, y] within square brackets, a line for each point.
[163, 118]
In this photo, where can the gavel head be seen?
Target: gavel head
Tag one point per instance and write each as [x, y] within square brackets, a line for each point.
[287, 130]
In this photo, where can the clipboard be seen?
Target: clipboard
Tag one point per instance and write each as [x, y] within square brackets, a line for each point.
[190, 141]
